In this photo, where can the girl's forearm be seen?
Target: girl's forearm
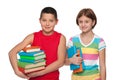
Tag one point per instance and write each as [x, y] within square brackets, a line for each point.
[103, 73]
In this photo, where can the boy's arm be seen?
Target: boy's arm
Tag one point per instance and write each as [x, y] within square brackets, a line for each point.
[67, 60]
[13, 54]
[102, 64]
[58, 63]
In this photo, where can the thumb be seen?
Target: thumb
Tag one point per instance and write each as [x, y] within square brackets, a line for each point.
[76, 55]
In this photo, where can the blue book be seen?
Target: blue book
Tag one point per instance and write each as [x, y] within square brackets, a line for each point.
[71, 52]
[36, 53]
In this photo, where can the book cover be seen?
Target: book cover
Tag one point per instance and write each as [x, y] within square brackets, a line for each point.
[31, 49]
[35, 53]
[71, 52]
[26, 71]
[32, 61]
[26, 65]
[33, 57]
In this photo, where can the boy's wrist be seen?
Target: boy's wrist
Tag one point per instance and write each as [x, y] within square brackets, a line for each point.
[16, 70]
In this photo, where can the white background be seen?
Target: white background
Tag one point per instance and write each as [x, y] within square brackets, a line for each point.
[18, 18]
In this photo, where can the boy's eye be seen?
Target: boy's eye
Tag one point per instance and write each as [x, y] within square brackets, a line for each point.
[51, 20]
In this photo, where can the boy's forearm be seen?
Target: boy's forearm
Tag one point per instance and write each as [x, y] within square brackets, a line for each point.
[52, 67]
[13, 61]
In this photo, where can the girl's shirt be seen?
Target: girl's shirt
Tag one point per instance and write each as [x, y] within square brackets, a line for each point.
[90, 53]
[49, 44]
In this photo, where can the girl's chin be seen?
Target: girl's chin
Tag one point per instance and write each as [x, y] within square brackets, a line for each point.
[84, 30]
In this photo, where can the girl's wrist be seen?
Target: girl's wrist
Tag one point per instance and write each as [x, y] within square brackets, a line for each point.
[70, 61]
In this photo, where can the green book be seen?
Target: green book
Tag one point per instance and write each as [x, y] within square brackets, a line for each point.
[32, 61]
[26, 65]
[33, 57]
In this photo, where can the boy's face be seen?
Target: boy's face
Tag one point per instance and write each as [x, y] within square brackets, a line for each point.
[48, 22]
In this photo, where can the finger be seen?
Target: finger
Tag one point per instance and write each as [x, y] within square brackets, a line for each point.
[75, 55]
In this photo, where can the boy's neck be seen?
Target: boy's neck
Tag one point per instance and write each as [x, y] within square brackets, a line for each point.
[47, 33]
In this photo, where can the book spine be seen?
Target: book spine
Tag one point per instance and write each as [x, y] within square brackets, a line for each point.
[31, 49]
[26, 65]
[34, 69]
[36, 53]
[32, 61]
[35, 65]
[33, 57]
[27, 57]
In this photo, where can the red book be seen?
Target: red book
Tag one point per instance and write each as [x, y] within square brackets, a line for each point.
[26, 71]
[31, 49]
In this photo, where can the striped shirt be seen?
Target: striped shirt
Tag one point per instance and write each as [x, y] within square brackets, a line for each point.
[90, 54]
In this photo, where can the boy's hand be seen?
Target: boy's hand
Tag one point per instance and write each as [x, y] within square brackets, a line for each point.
[75, 60]
[34, 74]
[20, 74]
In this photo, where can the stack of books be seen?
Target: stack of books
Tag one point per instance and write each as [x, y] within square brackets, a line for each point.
[31, 59]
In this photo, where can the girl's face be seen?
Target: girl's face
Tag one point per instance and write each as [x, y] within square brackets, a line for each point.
[48, 23]
[85, 23]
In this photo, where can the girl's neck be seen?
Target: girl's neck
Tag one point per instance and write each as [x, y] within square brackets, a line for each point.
[88, 34]
[87, 38]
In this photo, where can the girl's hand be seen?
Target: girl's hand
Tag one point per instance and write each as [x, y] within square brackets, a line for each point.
[75, 60]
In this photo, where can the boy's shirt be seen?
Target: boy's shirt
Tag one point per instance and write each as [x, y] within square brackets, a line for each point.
[50, 45]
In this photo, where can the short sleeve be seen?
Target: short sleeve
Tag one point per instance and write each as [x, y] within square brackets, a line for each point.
[102, 45]
[70, 43]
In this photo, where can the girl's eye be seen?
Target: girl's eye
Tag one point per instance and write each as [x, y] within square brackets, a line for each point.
[86, 21]
[80, 21]
[43, 20]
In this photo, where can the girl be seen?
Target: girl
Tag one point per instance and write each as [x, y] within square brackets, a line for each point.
[92, 46]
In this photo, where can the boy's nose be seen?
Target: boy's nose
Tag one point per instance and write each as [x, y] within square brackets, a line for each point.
[47, 23]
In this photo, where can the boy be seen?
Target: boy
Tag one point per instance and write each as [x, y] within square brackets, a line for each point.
[52, 42]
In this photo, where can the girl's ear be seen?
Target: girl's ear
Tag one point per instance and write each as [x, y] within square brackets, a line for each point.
[93, 23]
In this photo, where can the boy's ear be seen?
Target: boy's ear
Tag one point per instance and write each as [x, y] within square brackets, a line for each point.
[57, 21]
[39, 20]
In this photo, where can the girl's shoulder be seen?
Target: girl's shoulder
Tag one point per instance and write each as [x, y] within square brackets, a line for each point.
[98, 37]
[75, 36]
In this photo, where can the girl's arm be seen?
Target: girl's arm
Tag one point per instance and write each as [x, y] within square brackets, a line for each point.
[102, 63]
[58, 63]
[13, 54]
